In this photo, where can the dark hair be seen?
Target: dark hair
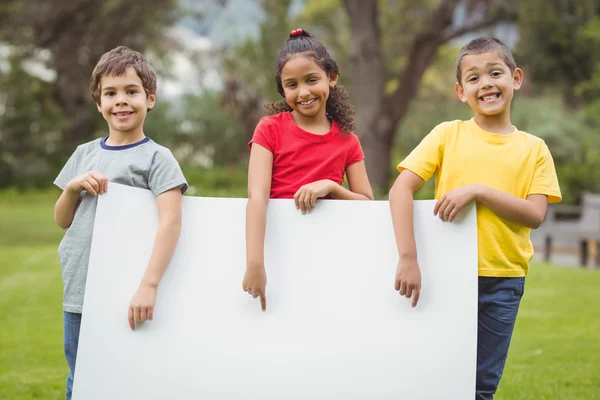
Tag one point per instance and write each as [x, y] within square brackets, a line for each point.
[485, 45]
[115, 62]
[338, 105]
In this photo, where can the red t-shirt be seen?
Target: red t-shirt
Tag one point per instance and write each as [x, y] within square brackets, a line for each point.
[301, 157]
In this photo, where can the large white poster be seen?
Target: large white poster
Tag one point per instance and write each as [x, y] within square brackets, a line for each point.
[334, 327]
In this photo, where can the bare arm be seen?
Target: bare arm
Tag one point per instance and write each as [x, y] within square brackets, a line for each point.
[401, 207]
[528, 212]
[306, 197]
[358, 181]
[408, 274]
[259, 186]
[165, 243]
[64, 210]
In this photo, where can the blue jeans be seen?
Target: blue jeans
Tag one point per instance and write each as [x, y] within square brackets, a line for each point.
[72, 323]
[499, 300]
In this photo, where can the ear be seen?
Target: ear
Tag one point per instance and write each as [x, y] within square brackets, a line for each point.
[99, 107]
[151, 100]
[333, 80]
[517, 78]
[460, 91]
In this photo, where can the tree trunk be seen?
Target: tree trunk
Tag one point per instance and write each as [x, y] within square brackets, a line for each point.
[366, 72]
[378, 115]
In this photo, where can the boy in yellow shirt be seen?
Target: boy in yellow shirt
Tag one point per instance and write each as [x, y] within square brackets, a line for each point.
[510, 176]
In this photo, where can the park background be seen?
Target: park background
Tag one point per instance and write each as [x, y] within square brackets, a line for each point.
[216, 62]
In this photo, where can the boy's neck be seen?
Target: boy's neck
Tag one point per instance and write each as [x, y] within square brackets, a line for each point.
[118, 138]
[499, 124]
[318, 124]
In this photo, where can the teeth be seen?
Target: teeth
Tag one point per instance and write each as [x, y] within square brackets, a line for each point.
[491, 97]
[305, 103]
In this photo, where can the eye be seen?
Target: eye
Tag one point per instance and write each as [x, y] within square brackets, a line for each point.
[472, 79]
[109, 93]
[312, 80]
[132, 92]
[291, 85]
[496, 73]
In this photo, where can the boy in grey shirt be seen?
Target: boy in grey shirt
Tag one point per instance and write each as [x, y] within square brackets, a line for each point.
[123, 85]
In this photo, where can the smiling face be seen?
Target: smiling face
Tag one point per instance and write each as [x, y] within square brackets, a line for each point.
[306, 87]
[487, 84]
[124, 104]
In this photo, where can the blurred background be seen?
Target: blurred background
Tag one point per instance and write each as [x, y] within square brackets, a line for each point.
[216, 65]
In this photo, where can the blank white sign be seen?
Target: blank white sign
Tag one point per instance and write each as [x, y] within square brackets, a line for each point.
[334, 327]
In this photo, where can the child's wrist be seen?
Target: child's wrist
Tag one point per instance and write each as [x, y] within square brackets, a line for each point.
[478, 192]
[255, 265]
[149, 283]
[332, 186]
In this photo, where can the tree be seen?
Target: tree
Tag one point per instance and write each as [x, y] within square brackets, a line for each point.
[555, 45]
[75, 34]
[251, 67]
[420, 27]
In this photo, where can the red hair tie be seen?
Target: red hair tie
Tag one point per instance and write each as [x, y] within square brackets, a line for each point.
[296, 32]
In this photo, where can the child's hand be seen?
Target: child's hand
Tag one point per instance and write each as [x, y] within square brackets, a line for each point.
[408, 280]
[306, 197]
[93, 182]
[454, 201]
[141, 307]
[255, 282]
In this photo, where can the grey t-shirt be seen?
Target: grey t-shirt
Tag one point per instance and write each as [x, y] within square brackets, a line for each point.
[144, 164]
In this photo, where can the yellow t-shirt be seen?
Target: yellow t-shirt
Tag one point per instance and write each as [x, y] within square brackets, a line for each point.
[461, 153]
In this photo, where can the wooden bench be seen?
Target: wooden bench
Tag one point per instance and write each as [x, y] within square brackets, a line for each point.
[580, 223]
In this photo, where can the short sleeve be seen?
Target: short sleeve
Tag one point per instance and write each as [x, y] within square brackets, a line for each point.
[165, 173]
[545, 180]
[356, 153]
[426, 158]
[264, 136]
[69, 171]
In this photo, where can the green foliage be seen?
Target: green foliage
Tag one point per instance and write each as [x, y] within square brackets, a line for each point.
[217, 182]
[30, 127]
[554, 46]
[44, 120]
[252, 63]
[574, 144]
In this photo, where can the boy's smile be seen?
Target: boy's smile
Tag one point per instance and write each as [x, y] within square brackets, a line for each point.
[487, 85]
[124, 105]
[306, 86]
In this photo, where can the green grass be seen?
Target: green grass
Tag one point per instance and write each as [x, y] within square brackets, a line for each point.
[555, 352]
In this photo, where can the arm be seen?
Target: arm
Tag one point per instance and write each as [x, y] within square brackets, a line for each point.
[360, 189]
[358, 181]
[528, 212]
[64, 210]
[259, 186]
[141, 307]
[408, 274]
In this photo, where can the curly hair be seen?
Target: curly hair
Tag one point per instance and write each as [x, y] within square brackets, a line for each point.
[338, 107]
[116, 62]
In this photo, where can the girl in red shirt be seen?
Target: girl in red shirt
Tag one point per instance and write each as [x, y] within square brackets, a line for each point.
[303, 149]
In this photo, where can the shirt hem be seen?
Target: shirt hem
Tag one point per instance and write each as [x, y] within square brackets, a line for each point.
[72, 308]
[501, 274]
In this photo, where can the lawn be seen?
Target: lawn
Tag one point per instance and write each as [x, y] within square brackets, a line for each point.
[555, 353]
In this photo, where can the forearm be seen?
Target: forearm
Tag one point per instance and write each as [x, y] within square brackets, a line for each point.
[165, 244]
[401, 207]
[256, 223]
[339, 192]
[509, 207]
[64, 210]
